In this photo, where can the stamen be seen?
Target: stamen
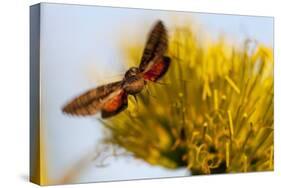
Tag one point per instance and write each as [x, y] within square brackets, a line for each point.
[227, 154]
[232, 84]
[245, 163]
[216, 105]
[230, 124]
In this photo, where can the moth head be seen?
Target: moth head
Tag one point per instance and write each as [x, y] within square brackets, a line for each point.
[132, 72]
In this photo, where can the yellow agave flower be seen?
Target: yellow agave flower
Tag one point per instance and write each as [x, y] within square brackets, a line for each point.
[212, 113]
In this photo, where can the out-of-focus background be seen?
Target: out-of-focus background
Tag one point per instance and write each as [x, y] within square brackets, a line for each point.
[81, 48]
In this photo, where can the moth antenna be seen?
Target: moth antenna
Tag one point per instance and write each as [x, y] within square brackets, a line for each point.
[110, 78]
[167, 83]
[161, 83]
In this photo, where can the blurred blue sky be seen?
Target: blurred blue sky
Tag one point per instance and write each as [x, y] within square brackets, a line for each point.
[239, 27]
[80, 48]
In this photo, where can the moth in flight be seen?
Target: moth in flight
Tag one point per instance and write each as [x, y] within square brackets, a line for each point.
[112, 98]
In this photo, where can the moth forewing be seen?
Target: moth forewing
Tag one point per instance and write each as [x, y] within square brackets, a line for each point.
[92, 101]
[156, 45]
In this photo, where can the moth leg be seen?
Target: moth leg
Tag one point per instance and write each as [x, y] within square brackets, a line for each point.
[158, 82]
[149, 93]
[136, 99]
[136, 102]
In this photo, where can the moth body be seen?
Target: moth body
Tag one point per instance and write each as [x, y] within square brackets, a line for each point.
[133, 81]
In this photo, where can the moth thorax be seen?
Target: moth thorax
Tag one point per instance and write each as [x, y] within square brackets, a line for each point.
[134, 86]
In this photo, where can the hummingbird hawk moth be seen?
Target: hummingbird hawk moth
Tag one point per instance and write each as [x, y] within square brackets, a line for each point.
[112, 98]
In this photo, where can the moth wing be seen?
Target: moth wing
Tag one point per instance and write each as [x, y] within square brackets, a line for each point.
[156, 45]
[115, 105]
[93, 100]
[157, 69]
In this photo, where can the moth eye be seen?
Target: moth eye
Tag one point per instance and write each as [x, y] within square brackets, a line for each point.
[136, 70]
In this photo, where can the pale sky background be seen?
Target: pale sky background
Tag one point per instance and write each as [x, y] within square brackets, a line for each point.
[79, 40]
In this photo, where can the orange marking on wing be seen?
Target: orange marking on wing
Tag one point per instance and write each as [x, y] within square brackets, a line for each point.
[114, 103]
[158, 69]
